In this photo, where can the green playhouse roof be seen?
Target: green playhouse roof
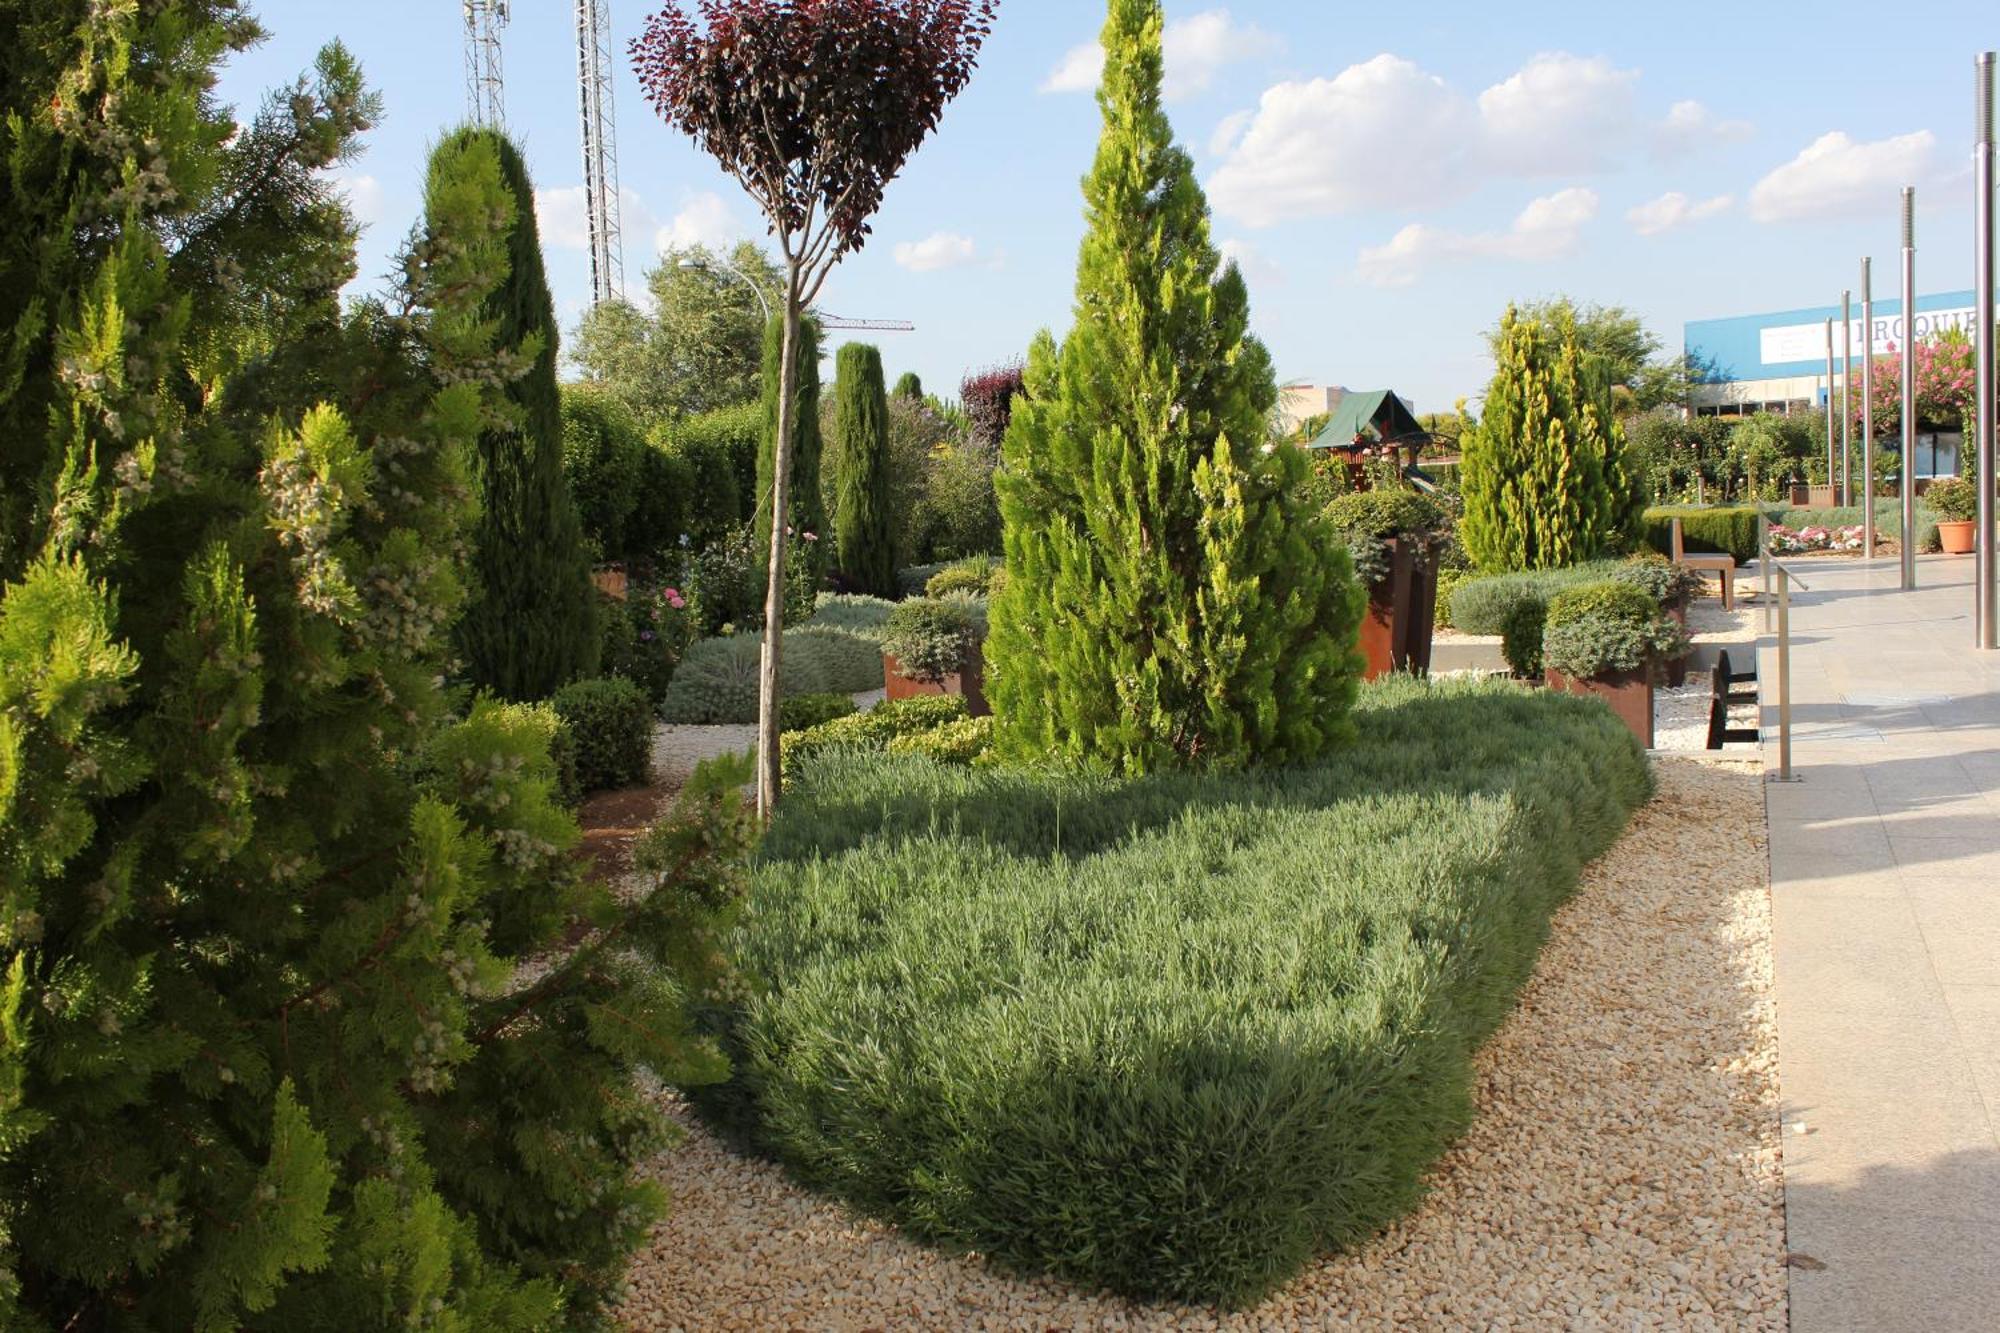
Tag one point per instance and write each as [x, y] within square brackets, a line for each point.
[1378, 413]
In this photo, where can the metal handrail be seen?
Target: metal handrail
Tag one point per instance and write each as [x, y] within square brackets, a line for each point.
[1785, 581]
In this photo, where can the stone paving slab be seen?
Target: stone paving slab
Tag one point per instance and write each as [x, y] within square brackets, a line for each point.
[1885, 885]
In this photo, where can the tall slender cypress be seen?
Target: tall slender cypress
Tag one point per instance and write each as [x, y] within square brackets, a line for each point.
[864, 538]
[807, 505]
[532, 624]
[1545, 483]
[1171, 602]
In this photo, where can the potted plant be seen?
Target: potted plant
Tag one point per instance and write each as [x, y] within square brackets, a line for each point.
[1672, 587]
[1606, 640]
[1956, 503]
[1394, 536]
[932, 645]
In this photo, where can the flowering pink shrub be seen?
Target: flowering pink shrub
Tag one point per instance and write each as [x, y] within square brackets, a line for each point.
[1802, 541]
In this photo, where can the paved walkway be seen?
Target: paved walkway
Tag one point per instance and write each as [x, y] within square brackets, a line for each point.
[1885, 879]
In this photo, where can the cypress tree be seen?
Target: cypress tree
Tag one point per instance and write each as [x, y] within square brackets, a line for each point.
[1546, 484]
[863, 536]
[268, 1057]
[532, 625]
[808, 506]
[1170, 602]
[910, 387]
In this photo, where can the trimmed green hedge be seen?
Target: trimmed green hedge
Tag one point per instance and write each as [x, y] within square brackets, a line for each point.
[1726, 531]
[1173, 1036]
[1482, 605]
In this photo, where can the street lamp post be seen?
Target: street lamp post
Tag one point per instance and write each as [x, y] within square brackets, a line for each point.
[1868, 408]
[709, 266]
[1909, 388]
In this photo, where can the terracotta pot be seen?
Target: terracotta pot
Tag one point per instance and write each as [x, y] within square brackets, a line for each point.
[1956, 538]
[969, 682]
[1397, 627]
[1629, 694]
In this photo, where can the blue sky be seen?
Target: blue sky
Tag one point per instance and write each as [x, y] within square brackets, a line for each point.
[1390, 176]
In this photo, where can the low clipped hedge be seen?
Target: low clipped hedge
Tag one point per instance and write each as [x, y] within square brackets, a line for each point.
[1172, 1036]
[1724, 531]
[1483, 604]
[877, 729]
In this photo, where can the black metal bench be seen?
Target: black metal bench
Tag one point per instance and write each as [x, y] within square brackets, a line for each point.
[1721, 695]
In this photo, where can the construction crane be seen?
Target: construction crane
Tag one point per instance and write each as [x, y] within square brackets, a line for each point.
[600, 150]
[827, 321]
[484, 92]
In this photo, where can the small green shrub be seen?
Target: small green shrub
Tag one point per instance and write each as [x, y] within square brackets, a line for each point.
[610, 725]
[854, 612]
[562, 754]
[1953, 499]
[1725, 531]
[974, 574]
[1173, 1036]
[1521, 635]
[804, 711]
[716, 681]
[1665, 582]
[877, 728]
[913, 579]
[958, 742]
[928, 637]
[1596, 629]
[1480, 605]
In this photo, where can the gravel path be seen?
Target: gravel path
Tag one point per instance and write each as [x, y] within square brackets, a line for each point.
[1623, 1171]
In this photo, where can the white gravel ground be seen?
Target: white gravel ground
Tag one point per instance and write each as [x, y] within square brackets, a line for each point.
[1623, 1172]
[678, 747]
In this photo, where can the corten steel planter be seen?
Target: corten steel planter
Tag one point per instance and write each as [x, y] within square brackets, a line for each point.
[1402, 612]
[1629, 694]
[611, 582]
[969, 682]
[1677, 667]
[1956, 538]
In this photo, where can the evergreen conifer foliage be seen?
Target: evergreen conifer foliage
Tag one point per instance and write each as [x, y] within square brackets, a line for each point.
[804, 498]
[1546, 485]
[531, 626]
[863, 535]
[909, 386]
[265, 1057]
[1170, 601]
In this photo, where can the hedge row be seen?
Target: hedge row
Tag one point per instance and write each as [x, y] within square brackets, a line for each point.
[1172, 1036]
[1727, 531]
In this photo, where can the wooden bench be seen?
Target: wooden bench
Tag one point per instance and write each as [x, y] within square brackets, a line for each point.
[1722, 565]
[1721, 695]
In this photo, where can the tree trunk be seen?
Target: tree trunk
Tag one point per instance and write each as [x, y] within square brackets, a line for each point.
[768, 769]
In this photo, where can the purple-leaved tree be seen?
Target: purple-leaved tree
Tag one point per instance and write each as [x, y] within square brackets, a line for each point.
[813, 106]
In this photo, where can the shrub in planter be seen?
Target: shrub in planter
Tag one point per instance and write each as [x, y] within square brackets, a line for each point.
[928, 637]
[1668, 584]
[1953, 499]
[1481, 605]
[1599, 629]
[802, 712]
[1368, 520]
[610, 725]
[854, 612]
[832, 660]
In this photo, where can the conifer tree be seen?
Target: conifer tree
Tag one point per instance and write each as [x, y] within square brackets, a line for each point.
[863, 536]
[1170, 600]
[267, 1056]
[1545, 482]
[909, 386]
[804, 500]
[531, 626]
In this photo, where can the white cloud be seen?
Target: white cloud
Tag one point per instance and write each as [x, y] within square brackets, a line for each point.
[1079, 71]
[1196, 50]
[705, 220]
[1674, 209]
[1837, 177]
[1689, 126]
[1256, 266]
[563, 217]
[1379, 134]
[366, 199]
[1559, 114]
[1548, 228]
[1386, 135]
[1228, 131]
[939, 250]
